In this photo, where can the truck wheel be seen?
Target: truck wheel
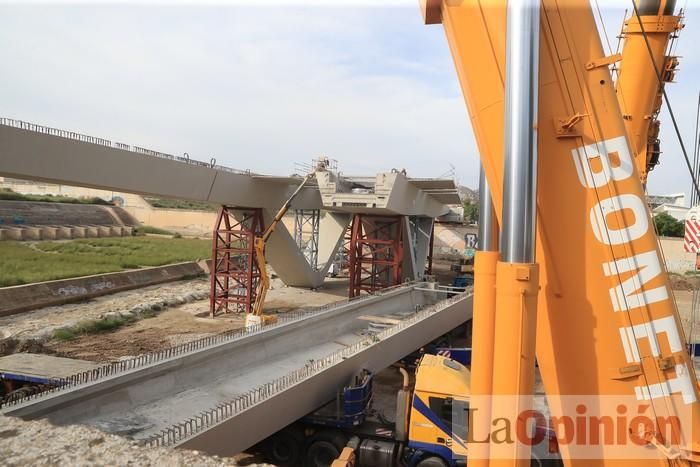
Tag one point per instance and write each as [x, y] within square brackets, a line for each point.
[536, 462]
[284, 448]
[324, 448]
[431, 462]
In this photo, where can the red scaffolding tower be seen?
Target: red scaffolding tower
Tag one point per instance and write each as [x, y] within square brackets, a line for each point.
[235, 273]
[375, 253]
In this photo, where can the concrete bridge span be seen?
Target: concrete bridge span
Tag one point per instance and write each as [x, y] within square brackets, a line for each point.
[35, 152]
[216, 395]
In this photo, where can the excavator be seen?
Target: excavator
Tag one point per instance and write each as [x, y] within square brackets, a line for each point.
[569, 277]
[256, 316]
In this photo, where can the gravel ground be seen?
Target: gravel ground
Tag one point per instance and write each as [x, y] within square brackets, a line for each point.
[39, 443]
[40, 324]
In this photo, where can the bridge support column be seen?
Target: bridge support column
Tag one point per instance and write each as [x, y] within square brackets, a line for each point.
[234, 271]
[376, 253]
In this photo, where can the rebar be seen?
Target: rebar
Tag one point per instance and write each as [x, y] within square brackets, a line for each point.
[226, 410]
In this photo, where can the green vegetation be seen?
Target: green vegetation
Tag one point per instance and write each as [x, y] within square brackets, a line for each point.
[147, 229]
[24, 263]
[668, 226]
[6, 194]
[181, 204]
[92, 326]
[471, 212]
[64, 334]
[108, 323]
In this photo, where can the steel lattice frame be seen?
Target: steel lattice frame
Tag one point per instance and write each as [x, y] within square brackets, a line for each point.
[306, 228]
[375, 253]
[235, 273]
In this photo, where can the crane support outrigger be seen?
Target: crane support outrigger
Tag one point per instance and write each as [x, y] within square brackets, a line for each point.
[606, 323]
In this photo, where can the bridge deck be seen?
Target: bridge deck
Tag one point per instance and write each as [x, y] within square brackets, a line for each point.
[222, 397]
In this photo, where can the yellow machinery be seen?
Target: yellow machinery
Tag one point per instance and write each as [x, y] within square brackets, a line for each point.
[430, 428]
[588, 294]
[638, 88]
[585, 289]
[257, 316]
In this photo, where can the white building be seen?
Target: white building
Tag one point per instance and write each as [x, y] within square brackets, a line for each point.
[673, 205]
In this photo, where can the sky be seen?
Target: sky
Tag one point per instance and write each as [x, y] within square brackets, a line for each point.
[266, 86]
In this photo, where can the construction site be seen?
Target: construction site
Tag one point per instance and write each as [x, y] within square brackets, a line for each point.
[160, 308]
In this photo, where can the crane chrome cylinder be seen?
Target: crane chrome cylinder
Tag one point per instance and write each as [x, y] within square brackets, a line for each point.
[656, 7]
[520, 165]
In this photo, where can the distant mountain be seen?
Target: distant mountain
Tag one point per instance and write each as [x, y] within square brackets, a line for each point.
[467, 194]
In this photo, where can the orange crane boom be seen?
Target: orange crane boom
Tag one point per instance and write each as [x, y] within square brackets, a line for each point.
[638, 88]
[606, 323]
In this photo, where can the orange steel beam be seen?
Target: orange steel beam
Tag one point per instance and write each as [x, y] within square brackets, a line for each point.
[637, 87]
[606, 321]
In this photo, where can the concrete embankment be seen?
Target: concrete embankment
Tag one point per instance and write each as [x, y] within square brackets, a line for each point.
[21, 298]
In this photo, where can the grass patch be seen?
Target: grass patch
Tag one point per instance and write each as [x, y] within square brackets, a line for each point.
[92, 326]
[23, 263]
[64, 334]
[147, 229]
[181, 204]
[6, 194]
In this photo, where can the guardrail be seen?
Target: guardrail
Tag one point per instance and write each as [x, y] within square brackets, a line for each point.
[185, 158]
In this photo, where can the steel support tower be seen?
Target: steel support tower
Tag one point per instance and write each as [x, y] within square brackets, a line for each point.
[375, 253]
[235, 274]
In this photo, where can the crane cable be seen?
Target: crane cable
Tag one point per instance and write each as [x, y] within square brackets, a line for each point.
[695, 199]
[675, 127]
[666, 99]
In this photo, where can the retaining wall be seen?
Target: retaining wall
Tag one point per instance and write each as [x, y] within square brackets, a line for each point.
[23, 298]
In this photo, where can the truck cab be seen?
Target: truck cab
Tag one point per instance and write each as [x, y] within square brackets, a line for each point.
[439, 411]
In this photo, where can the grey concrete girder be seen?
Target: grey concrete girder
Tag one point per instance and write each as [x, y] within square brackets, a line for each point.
[161, 389]
[37, 156]
[251, 426]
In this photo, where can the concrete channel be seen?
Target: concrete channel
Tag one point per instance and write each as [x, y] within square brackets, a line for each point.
[217, 395]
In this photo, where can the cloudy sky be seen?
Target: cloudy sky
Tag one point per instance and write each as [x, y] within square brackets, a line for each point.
[264, 87]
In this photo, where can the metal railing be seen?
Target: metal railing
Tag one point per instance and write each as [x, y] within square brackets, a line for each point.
[185, 158]
[186, 429]
[124, 366]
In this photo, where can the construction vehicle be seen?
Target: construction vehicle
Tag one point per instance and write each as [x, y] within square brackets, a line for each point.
[424, 433]
[569, 268]
[575, 276]
[256, 316]
[465, 273]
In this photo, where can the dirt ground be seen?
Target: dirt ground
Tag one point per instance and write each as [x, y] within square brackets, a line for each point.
[40, 324]
[86, 446]
[182, 323]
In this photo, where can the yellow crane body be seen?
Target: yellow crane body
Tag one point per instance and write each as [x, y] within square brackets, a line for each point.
[638, 88]
[606, 323]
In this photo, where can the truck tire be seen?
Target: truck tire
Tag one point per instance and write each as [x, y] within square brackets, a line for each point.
[536, 462]
[324, 448]
[431, 461]
[285, 448]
